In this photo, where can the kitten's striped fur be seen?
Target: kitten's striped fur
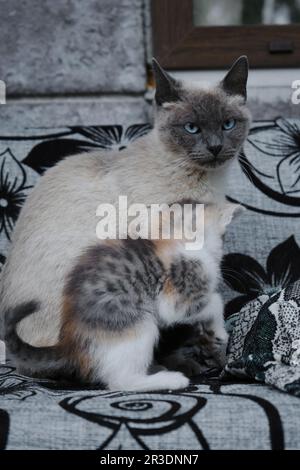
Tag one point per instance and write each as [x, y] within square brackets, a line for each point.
[116, 293]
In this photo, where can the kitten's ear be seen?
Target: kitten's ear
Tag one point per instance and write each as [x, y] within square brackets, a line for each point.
[235, 82]
[227, 213]
[167, 88]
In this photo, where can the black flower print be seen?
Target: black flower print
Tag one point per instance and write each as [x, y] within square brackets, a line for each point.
[271, 160]
[4, 428]
[48, 153]
[2, 261]
[80, 139]
[284, 139]
[5, 370]
[13, 191]
[134, 416]
[14, 386]
[113, 137]
[245, 275]
[264, 343]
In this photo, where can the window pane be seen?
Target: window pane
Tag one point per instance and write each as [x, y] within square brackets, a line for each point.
[239, 12]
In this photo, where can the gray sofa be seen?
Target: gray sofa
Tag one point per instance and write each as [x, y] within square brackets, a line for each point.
[262, 257]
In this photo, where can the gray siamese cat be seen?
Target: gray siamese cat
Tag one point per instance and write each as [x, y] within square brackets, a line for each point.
[73, 304]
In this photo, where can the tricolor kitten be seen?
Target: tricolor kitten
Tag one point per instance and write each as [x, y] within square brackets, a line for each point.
[197, 134]
[117, 298]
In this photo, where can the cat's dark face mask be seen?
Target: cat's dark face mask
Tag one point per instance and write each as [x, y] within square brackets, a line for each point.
[206, 127]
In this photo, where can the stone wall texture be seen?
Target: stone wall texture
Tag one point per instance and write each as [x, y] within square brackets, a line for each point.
[73, 62]
[84, 62]
[72, 46]
[24, 113]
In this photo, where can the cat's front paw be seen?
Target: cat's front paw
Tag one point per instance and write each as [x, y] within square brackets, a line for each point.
[173, 380]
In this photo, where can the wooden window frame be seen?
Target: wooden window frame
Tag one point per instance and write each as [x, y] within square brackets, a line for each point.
[180, 45]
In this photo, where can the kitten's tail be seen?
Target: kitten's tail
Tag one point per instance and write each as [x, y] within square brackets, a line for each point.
[39, 359]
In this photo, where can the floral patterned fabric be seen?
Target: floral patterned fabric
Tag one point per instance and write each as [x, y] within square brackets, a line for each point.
[249, 278]
[209, 414]
[262, 246]
[262, 258]
[265, 340]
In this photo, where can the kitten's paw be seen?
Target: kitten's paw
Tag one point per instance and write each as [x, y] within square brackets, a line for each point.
[221, 336]
[190, 367]
[220, 352]
[213, 344]
[149, 383]
[172, 380]
[187, 365]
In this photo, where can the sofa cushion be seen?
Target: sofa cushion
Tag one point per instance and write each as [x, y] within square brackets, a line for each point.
[41, 414]
[265, 340]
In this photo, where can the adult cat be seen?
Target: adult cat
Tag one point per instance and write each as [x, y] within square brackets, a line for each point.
[197, 133]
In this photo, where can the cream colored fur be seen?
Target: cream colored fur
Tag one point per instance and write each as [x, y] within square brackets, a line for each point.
[123, 363]
[58, 220]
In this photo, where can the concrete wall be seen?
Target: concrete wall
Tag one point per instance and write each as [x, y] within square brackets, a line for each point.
[73, 61]
[84, 62]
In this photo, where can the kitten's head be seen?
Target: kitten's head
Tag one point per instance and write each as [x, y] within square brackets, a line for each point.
[207, 127]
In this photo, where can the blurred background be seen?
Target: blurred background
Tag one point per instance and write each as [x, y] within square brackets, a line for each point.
[68, 62]
[239, 12]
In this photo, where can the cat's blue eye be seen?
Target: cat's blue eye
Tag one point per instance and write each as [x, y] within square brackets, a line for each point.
[191, 128]
[229, 124]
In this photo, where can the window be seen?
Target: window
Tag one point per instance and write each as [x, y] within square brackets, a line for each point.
[199, 34]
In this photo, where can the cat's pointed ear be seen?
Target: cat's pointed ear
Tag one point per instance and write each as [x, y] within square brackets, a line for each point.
[167, 88]
[235, 82]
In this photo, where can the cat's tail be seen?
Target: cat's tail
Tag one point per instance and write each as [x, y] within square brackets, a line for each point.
[37, 359]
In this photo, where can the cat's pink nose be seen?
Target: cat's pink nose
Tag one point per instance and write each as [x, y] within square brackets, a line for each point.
[215, 149]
